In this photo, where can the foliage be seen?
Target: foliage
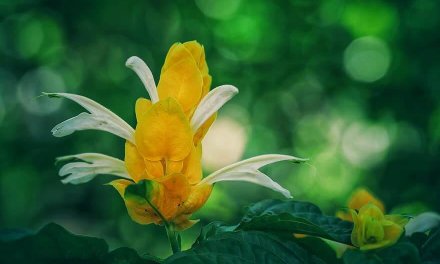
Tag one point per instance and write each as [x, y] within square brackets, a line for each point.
[295, 217]
[402, 252]
[265, 234]
[54, 244]
[307, 73]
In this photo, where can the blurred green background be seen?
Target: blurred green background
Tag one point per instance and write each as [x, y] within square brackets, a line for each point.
[352, 85]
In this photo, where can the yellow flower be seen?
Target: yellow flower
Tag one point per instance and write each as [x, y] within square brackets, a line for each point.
[162, 163]
[372, 229]
[359, 198]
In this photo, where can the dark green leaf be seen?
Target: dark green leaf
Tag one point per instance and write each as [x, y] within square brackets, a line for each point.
[359, 257]
[244, 247]
[139, 191]
[319, 247]
[13, 234]
[281, 219]
[418, 239]
[127, 256]
[295, 217]
[213, 229]
[400, 253]
[54, 244]
[430, 250]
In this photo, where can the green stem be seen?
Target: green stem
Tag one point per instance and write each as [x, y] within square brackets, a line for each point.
[172, 234]
[173, 237]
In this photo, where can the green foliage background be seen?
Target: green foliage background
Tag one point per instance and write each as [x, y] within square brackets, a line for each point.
[352, 85]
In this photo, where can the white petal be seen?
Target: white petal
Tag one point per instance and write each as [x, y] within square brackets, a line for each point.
[256, 177]
[144, 73]
[100, 118]
[247, 170]
[422, 223]
[89, 167]
[85, 121]
[91, 157]
[212, 102]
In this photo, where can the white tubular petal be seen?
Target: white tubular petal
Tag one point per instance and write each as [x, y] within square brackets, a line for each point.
[89, 167]
[256, 177]
[85, 121]
[422, 223]
[144, 73]
[91, 157]
[100, 118]
[247, 170]
[212, 102]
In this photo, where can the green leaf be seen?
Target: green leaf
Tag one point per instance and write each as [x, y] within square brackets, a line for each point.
[280, 220]
[13, 234]
[126, 255]
[244, 247]
[212, 229]
[319, 247]
[418, 239]
[54, 244]
[400, 253]
[139, 191]
[430, 250]
[295, 217]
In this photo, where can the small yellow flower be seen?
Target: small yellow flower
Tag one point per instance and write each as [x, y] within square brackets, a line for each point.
[164, 151]
[372, 229]
[359, 198]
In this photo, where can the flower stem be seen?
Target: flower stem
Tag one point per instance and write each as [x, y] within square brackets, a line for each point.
[172, 234]
[173, 237]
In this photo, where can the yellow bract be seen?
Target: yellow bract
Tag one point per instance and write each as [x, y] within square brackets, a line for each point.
[362, 197]
[359, 198]
[141, 108]
[372, 229]
[164, 133]
[184, 75]
[135, 163]
[167, 152]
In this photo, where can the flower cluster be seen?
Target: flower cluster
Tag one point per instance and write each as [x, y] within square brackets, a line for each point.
[372, 228]
[161, 177]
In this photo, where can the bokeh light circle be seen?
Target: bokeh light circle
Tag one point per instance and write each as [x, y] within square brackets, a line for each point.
[218, 9]
[365, 145]
[362, 18]
[33, 84]
[224, 144]
[248, 35]
[367, 59]
[32, 36]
